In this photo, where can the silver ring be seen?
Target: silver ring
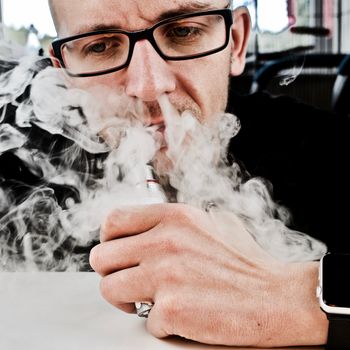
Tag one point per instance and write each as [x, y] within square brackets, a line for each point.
[143, 308]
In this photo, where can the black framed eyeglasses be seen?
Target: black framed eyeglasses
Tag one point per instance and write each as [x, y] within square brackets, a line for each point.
[178, 38]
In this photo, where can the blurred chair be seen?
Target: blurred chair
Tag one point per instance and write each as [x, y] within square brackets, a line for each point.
[307, 77]
[341, 88]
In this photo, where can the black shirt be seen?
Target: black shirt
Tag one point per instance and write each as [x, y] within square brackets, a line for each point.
[304, 153]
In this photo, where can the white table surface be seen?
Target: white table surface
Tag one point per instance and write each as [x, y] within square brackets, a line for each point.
[49, 311]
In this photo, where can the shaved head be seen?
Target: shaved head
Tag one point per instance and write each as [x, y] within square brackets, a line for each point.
[107, 10]
[53, 13]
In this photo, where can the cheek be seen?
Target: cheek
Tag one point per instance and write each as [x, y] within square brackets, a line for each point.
[107, 81]
[219, 80]
[211, 82]
[105, 89]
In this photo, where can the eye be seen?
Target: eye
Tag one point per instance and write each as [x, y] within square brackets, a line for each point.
[103, 46]
[183, 32]
[98, 48]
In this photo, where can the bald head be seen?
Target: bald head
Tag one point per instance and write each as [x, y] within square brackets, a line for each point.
[53, 13]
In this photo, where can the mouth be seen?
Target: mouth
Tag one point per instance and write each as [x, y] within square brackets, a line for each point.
[161, 128]
[159, 131]
[157, 125]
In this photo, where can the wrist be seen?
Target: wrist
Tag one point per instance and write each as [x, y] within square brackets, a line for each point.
[309, 324]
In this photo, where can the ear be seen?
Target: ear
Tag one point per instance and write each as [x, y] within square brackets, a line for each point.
[240, 35]
[55, 62]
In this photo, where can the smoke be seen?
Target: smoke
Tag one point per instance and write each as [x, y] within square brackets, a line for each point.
[65, 163]
[289, 79]
[69, 156]
[294, 73]
[203, 178]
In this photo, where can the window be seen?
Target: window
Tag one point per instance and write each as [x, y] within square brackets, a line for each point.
[281, 38]
[27, 23]
[271, 20]
[271, 16]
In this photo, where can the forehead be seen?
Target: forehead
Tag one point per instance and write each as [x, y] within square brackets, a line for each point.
[74, 17]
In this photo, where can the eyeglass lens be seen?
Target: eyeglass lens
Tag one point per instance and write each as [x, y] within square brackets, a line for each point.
[186, 37]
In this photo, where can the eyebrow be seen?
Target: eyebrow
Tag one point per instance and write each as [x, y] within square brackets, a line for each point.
[193, 6]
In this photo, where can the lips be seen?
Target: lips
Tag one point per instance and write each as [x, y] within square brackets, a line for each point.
[161, 128]
[157, 125]
[159, 132]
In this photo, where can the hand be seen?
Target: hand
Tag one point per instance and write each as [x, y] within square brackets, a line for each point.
[208, 278]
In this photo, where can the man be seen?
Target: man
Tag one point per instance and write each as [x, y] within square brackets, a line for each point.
[209, 289]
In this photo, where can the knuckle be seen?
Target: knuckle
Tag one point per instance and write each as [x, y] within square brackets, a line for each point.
[164, 242]
[181, 210]
[185, 213]
[169, 245]
[110, 224]
[168, 273]
[168, 310]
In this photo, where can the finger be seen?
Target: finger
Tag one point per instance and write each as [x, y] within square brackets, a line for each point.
[165, 316]
[157, 325]
[123, 288]
[128, 308]
[133, 220]
[118, 254]
[170, 316]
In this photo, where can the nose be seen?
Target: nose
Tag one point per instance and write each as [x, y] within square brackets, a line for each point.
[148, 75]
